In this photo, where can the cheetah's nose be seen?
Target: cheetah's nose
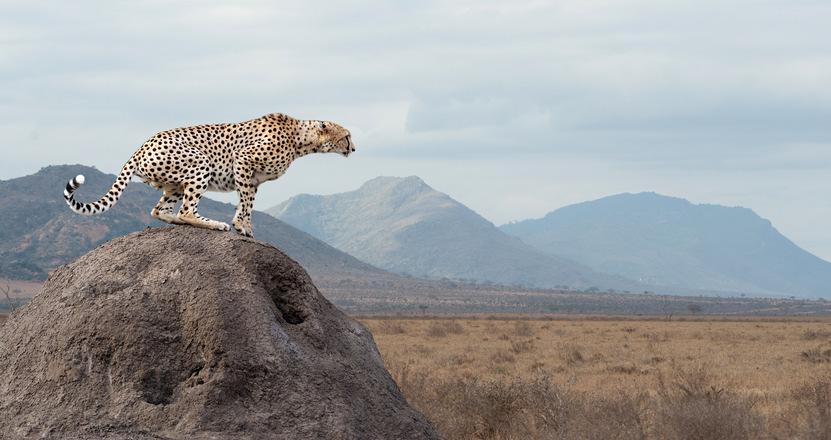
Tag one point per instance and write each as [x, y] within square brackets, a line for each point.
[349, 143]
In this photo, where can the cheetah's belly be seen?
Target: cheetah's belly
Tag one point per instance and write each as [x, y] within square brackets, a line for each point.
[222, 182]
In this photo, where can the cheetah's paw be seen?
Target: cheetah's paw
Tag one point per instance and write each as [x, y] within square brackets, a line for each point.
[245, 231]
[220, 226]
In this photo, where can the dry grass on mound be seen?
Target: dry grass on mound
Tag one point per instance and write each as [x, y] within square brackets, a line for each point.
[604, 379]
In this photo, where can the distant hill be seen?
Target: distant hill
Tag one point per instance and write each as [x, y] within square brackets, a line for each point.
[405, 226]
[668, 241]
[38, 231]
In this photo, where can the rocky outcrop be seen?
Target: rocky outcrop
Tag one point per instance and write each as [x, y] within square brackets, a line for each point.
[184, 333]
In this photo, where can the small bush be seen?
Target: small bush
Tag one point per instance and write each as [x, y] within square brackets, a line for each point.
[654, 360]
[536, 367]
[422, 349]
[810, 335]
[817, 355]
[502, 357]
[572, 355]
[654, 337]
[391, 327]
[811, 416]
[523, 328]
[470, 408]
[620, 417]
[459, 359]
[692, 406]
[440, 329]
[624, 369]
[519, 347]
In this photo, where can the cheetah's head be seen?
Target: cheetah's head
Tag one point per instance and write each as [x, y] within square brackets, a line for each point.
[334, 139]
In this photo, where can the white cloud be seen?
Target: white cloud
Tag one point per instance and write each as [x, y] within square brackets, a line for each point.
[513, 107]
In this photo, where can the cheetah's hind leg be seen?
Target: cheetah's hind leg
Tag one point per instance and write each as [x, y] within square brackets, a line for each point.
[164, 209]
[193, 191]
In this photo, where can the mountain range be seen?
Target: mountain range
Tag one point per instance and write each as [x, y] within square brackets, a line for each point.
[670, 242]
[401, 226]
[627, 241]
[405, 226]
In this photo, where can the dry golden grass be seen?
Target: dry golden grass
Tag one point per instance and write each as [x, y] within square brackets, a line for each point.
[702, 378]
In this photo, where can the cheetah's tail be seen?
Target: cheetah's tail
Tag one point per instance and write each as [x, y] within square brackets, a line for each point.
[107, 200]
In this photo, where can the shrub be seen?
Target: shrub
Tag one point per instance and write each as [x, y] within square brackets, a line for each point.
[692, 406]
[810, 335]
[624, 369]
[523, 328]
[459, 359]
[470, 408]
[519, 347]
[440, 329]
[618, 417]
[391, 327]
[422, 349]
[811, 417]
[817, 355]
[572, 355]
[501, 357]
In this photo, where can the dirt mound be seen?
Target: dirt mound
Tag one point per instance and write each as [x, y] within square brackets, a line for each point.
[188, 333]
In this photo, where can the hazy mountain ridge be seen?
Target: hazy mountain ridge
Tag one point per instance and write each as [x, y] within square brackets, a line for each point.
[664, 243]
[405, 226]
[38, 231]
[669, 241]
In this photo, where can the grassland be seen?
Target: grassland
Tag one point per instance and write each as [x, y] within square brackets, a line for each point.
[614, 378]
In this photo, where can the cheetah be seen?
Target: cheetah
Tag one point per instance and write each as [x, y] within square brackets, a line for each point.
[184, 163]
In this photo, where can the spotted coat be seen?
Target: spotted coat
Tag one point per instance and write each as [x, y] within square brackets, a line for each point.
[186, 162]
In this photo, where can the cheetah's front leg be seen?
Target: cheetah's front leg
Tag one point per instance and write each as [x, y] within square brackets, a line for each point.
[242, 217]
[246, 189]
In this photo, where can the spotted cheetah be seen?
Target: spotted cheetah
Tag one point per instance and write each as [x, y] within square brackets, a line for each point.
[185, 162]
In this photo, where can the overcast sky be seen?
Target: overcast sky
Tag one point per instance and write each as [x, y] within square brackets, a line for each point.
[513, 108]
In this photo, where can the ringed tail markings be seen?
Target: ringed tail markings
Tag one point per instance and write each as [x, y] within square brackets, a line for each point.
[107, 200]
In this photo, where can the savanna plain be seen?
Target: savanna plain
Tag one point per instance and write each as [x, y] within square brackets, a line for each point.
[501, 377]
[514, 377]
